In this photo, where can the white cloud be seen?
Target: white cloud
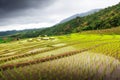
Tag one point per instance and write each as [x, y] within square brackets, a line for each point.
[25, 26]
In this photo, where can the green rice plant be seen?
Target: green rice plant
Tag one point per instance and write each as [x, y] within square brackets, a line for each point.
[2, 75]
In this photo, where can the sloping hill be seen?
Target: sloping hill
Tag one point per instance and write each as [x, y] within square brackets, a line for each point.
[105, 18]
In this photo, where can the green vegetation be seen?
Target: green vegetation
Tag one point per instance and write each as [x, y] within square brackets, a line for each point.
[16, 35]
[67, 57]
[111, 31]
[104, 19]
[5, 39]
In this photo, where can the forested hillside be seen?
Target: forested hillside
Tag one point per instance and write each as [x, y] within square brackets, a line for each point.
[105, 18]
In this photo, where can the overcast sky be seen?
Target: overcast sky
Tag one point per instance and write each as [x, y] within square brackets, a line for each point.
[25, 14]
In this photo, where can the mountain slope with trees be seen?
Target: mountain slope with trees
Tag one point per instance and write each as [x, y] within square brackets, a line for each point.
[105, 18]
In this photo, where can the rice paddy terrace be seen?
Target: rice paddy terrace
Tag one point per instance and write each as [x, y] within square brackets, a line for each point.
[68, 57]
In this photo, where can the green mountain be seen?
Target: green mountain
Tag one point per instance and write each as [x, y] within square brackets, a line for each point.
[105, 18]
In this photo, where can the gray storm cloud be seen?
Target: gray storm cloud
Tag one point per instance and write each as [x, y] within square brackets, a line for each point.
[10, 8]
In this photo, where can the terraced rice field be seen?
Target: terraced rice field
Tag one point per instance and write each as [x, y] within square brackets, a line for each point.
[67, 57]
